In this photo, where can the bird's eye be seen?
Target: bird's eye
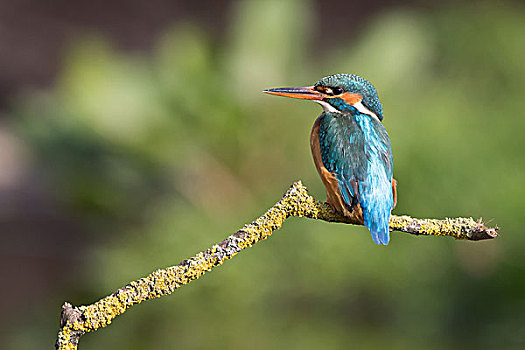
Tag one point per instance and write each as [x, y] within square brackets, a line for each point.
[330, 91]
[337, 91]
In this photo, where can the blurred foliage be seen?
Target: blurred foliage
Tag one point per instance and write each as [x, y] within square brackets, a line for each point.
[165, 154]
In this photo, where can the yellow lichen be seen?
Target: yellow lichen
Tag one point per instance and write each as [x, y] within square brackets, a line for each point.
[296, 202]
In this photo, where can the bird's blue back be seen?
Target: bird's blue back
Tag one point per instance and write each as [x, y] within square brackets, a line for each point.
[355, 147]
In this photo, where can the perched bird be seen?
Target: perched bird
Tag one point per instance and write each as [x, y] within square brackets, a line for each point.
[351, 149]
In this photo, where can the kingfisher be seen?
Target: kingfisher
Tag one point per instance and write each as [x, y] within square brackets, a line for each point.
[352, 150]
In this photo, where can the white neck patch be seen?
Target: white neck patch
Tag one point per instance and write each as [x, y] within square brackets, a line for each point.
[327, 107]
[359, 106]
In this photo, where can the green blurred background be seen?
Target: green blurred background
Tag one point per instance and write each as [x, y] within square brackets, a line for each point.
[135, 134]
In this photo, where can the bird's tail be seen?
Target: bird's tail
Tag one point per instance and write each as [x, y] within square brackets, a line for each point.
[377, 205]
[378, 227]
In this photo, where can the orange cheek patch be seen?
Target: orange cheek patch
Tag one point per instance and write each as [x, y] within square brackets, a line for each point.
[351, 98]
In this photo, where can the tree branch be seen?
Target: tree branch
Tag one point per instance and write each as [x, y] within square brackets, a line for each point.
[76, 321]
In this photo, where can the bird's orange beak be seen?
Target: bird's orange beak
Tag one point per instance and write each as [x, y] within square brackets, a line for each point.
[304, 93]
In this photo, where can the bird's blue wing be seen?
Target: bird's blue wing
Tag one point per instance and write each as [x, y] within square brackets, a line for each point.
[342, 146]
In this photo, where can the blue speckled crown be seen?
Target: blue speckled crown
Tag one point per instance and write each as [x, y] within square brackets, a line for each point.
[355, 84]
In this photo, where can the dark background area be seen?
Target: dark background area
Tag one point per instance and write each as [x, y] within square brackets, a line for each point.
[34, 33]
[134, 134]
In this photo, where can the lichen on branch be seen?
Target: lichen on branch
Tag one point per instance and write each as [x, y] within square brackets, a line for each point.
[76, 321]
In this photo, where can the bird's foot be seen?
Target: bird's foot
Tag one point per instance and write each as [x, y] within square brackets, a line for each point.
[331, 206]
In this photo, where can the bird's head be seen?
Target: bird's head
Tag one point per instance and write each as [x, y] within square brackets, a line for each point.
[339, 93]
